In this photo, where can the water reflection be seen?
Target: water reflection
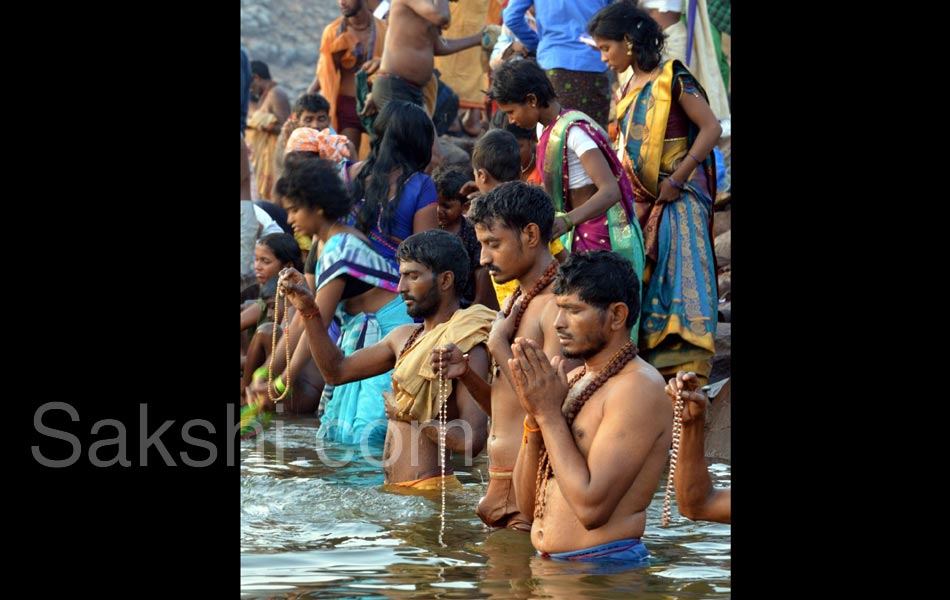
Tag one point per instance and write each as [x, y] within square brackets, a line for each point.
[309, 529]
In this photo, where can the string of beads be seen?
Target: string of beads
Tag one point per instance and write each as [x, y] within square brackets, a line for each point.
[273, 345]
[674, 454]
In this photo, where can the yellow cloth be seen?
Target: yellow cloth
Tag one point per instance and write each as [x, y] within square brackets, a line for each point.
[327, 73]
[303, 240]
[415, 384]
[430, 93]
[503, 290]
[463, 70]
[426, 483]
[263, 145]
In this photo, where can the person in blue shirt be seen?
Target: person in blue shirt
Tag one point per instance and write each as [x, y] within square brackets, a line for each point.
[574, 68]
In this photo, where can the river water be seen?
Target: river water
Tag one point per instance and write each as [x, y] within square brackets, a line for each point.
[312, 529]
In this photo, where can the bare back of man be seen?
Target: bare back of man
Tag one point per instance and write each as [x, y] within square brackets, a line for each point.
[632, 400]
[276, 102]
[414, 27]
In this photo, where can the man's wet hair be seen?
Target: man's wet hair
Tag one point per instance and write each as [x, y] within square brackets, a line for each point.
[600, 278]
[515, 204]
[439, 251]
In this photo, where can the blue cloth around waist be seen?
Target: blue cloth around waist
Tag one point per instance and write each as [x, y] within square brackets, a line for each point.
[629, 550]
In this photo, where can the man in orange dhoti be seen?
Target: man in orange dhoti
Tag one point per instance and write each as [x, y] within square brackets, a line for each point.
[352, 43]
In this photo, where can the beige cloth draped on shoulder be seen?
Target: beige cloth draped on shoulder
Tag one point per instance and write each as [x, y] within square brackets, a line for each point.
[415, 383]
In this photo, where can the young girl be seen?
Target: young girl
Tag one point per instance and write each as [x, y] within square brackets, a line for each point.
[672, 172]
[356, 286]
[273, 252]
[394, 197]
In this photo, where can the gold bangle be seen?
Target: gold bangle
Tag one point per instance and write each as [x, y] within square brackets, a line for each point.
[530, 429]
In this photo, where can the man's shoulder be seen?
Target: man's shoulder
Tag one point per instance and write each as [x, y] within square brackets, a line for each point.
[281, 93]
[640, 379]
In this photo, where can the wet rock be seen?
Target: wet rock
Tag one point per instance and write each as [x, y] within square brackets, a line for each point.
[285, 34]
[725, 312]
[465, 143]
[723, 199]
[722, 222]
[725, 284]
[724, 249]
[718, 445]
[722, 361]
[452, 154]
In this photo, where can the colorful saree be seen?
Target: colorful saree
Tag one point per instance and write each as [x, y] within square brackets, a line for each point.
[680, 300]
[619, 231]
[355, 411]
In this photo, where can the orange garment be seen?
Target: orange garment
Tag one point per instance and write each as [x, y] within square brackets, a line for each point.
[426, 483]
[263, 145]
[334, 41]
[498, 507]
[494, 11]
[463, 71]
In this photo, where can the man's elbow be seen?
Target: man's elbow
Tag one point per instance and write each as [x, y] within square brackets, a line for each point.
[334, 376]
[594, 516]
[689, 510]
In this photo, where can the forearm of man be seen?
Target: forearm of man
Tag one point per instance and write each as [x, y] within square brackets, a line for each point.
[514, 20]
[325, 353]
[525, 473]
[444, 46]
[337, 368]
[473, 380]
[695, 496]
[500, 351]
[458, 437]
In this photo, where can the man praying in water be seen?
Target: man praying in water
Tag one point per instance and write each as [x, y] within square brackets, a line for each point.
[433, 268]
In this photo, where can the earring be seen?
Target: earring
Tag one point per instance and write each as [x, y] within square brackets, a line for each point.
[629, 49]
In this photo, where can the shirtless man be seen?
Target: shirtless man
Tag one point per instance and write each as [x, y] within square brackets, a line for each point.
[263, 126]
[433, 267]
[352, 43]
[599, 455]
[513, 224]
[415, 37]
